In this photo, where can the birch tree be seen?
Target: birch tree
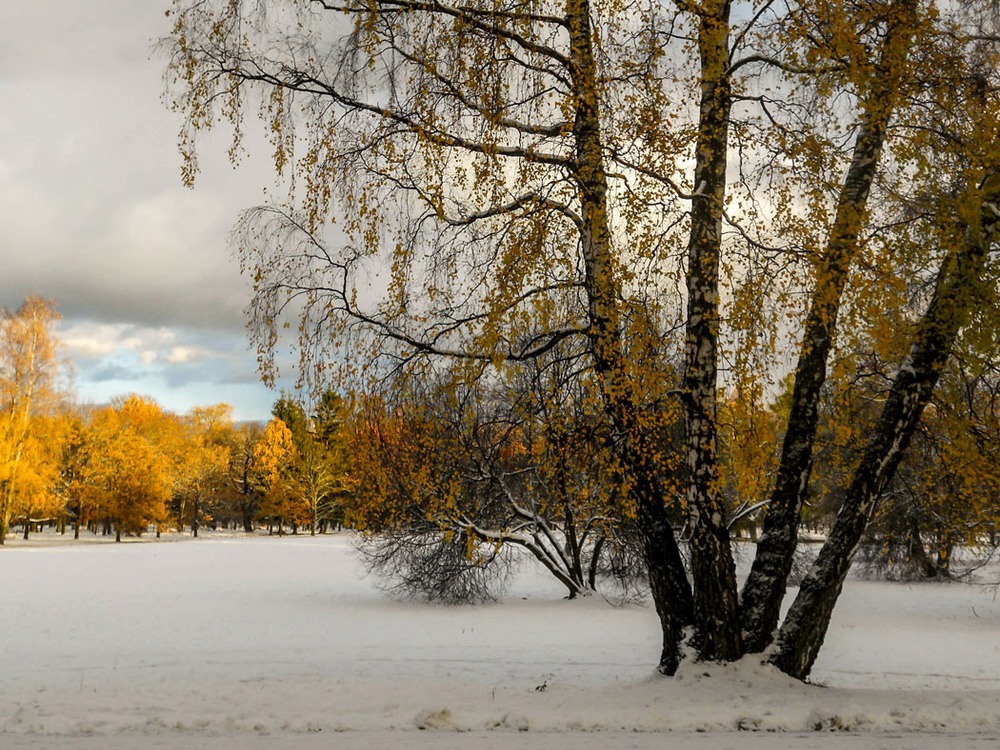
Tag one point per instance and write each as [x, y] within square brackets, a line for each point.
[29, 369]
[481, 128]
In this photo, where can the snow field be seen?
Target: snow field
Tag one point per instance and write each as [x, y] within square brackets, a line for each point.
[256, 642]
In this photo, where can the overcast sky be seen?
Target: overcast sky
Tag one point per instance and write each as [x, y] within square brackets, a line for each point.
[94, 216]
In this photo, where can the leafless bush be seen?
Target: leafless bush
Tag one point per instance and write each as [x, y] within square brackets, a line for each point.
[431, 566]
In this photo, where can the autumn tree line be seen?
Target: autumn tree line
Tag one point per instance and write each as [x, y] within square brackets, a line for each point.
[130, 467]
[444, 483]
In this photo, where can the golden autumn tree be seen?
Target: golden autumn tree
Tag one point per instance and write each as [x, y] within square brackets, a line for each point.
[202, 479]
[428, 529]
[122, 480]
[719, 182]
[72, 466]
[311, 476]
[29, 369]
[165, 436]
[37, 478]
[274, 455]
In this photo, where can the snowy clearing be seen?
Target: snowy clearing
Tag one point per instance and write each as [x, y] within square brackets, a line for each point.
[222, 643]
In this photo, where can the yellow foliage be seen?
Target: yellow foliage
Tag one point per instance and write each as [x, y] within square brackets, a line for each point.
[29, 369]
[274, 452]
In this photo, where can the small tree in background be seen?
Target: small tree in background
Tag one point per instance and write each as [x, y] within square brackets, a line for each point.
[29, 371]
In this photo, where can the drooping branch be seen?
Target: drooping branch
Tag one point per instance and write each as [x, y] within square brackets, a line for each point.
[481, 19]
[279, 286]
[302, 83]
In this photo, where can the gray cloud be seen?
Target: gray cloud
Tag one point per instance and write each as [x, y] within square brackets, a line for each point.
[109, 371]
[94, 216]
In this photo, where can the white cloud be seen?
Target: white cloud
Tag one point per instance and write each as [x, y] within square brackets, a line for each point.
[86, 340]
[83, 340]
[186, 354]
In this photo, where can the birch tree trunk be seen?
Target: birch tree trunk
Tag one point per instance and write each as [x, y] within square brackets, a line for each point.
[959, 280]
[715, 594]
[765, 587]
[668, 581]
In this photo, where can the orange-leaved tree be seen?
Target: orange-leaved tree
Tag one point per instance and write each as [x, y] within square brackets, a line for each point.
[37, 478]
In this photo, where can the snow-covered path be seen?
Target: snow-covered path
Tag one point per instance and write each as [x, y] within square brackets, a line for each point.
[536, 741]
[221, 643]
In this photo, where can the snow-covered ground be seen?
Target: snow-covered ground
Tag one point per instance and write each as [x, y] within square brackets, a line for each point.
[263, 642]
